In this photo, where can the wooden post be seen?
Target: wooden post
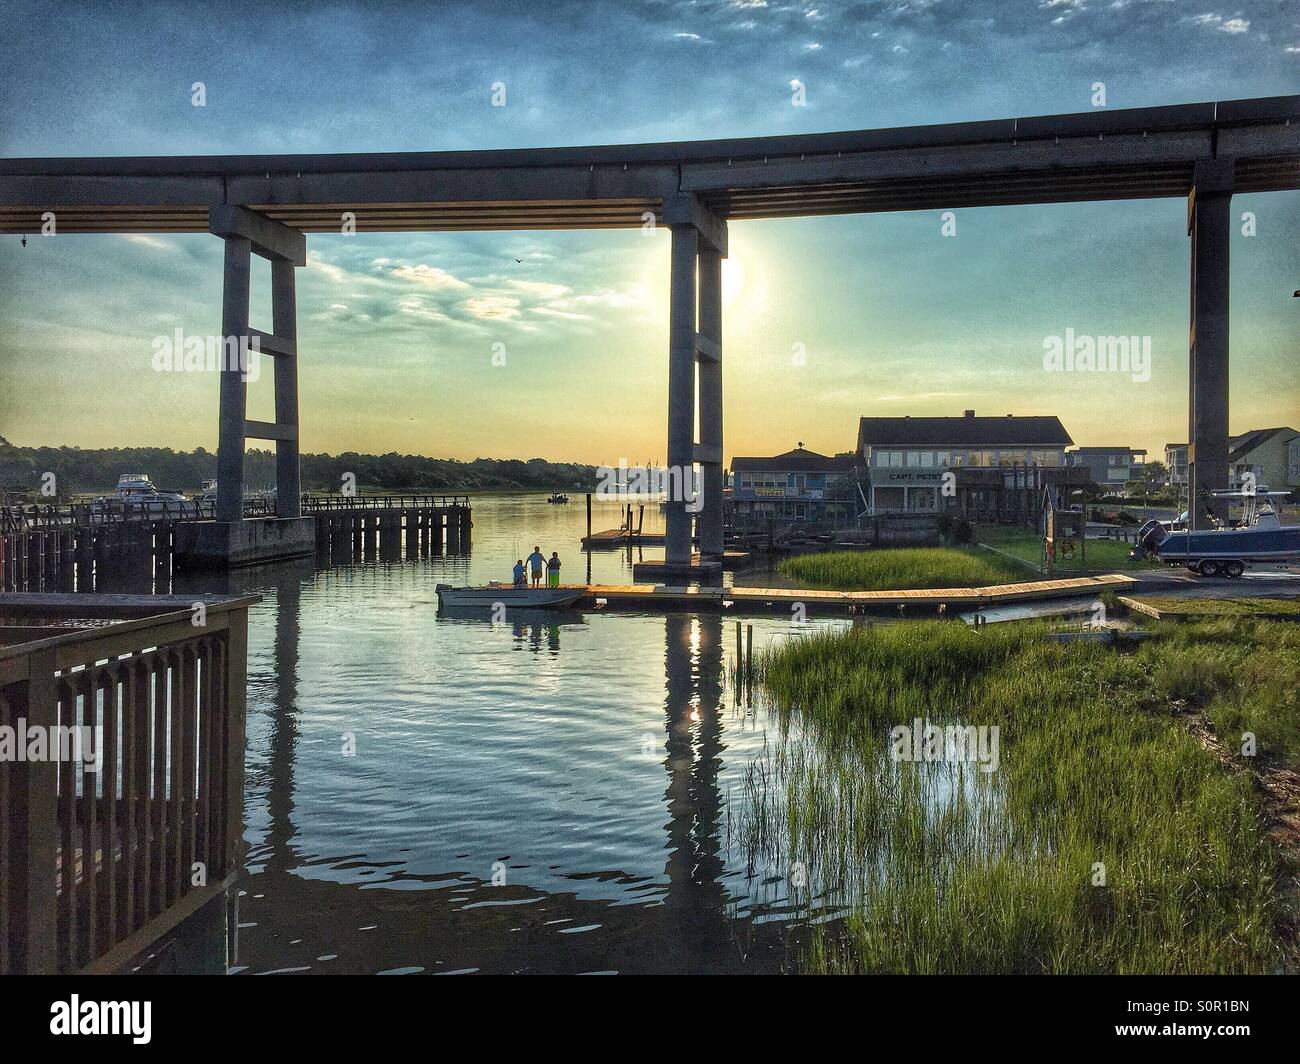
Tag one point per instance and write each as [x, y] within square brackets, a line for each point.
[235, 689]
[588, 516]
[749, 658]
[35, 829]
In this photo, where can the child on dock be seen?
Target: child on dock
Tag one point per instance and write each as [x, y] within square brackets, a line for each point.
[553, 570]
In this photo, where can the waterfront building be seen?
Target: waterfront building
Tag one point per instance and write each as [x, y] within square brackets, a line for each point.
[1270, 456]
[1111, 468]
[1176, 463]
[799, 485]
[905, 460]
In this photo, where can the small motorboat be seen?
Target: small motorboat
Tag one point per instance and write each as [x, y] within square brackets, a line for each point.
[1260, 536]
[518, 597]
[558, 497]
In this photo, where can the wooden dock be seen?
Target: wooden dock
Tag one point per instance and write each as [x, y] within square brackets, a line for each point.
[783, 600]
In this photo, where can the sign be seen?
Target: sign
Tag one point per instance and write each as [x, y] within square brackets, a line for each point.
[768, 493]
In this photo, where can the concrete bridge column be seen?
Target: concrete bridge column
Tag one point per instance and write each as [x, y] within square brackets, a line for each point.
[709, 354]
[681, 388]
[229, 539]
[234, 389]
[699, 238]
[1209, 222]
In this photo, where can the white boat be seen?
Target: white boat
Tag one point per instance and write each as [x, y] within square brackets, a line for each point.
[519, 597]
[1260, 536]
[135, 492]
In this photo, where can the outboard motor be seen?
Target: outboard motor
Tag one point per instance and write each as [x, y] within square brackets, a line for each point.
[1149, 538]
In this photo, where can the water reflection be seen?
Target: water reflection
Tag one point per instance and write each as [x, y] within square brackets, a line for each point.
[397, 900]
[548, 794]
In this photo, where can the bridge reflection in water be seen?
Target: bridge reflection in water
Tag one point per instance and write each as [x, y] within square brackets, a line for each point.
[303, 911]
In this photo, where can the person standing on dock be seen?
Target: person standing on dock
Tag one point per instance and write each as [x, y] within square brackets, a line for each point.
[536, 562]
[519, 573]
[553, 570]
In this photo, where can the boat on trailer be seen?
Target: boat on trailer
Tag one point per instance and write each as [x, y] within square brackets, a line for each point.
[487, 597]
[1260, 536]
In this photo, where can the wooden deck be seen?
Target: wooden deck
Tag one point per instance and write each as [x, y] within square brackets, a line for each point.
[614, 538]
[660, 596]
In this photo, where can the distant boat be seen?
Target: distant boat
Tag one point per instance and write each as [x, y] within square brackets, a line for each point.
[1261, 537]
[135, 491]
[521, 597]
[558, 497]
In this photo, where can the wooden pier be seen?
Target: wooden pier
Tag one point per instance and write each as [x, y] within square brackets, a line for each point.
[390, 525]
[60, 548]
[784, 600]
[104, 857]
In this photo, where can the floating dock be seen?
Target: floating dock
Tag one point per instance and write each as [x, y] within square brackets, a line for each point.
[783, 600]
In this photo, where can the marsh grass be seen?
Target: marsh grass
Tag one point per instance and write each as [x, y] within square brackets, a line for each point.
[942, 868]
[1229, 607]
[901, 569]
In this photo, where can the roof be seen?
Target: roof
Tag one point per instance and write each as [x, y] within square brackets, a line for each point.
[800, 460]
[1241, 445]
[1109, 450]
[1031, 431]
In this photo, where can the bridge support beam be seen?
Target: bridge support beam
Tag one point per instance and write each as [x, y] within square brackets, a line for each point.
[709, 355]
[699, 243]
[230, 540]
[1209, 224]
[244, 232]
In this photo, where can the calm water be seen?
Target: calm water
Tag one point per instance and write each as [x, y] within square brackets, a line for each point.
[557, 794]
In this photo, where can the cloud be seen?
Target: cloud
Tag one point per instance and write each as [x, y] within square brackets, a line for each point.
[541, 289]
[492, 308]
[148, 241]
[335, 273]
[433, 277]
[1233, 25]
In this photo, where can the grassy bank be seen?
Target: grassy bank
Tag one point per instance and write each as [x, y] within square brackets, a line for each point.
[901, 568]
[1108, 554]
[1109, 839]
[1233, 607]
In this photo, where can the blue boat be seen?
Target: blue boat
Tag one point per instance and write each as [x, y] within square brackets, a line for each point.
[1260, 536]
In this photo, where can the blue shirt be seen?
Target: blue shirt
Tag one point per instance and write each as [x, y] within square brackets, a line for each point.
[519, 574]
[536, 561]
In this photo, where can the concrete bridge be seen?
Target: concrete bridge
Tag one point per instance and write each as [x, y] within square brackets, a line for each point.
[264, 204]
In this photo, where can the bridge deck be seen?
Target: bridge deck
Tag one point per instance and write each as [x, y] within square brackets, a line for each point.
[1102, 154]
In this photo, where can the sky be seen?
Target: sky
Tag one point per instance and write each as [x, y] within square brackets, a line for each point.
[825, 319]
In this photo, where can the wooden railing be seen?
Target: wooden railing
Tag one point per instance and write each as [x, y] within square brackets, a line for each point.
[101, 857]
[315, 503]
[41, 518]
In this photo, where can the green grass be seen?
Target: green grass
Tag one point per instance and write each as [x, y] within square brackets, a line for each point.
[1233, 607]
[1020, 543]
[901, 568]
[944, 868]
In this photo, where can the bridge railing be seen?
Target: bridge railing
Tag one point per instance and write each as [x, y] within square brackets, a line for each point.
[102, 854]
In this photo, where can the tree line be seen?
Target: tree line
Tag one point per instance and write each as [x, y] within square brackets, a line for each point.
[79, 471]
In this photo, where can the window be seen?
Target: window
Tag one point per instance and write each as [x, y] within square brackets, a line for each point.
[927, 459]
[942, 458]
[913, 459]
